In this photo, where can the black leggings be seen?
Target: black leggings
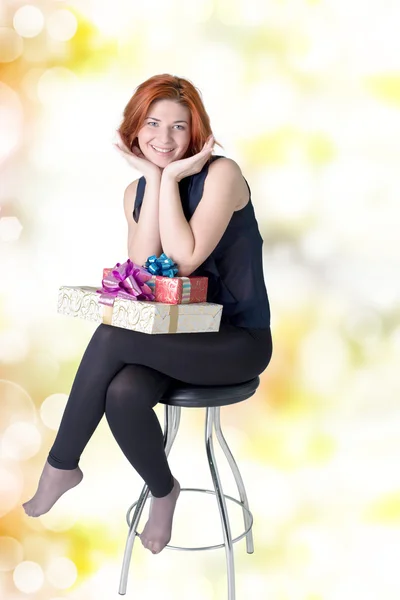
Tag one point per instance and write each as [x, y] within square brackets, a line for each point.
[125, 373]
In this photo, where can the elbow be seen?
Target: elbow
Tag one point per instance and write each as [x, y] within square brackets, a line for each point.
[185, 271]
[188, 268]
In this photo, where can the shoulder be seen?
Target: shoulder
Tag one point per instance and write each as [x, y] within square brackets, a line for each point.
[225, 176]
[131, 188]
[225, 167]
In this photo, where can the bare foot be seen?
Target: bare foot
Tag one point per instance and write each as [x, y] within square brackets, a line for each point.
[53, 483]
[157, 531]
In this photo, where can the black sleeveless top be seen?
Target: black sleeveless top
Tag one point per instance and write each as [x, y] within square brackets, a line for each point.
[234, 268]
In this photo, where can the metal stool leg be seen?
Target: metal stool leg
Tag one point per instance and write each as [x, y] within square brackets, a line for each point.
[238, 479]
[226, 530]
[172, 417]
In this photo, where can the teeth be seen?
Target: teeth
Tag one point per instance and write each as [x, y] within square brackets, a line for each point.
[163, 150]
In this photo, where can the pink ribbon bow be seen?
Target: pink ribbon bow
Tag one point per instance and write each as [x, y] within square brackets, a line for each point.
[127, 280]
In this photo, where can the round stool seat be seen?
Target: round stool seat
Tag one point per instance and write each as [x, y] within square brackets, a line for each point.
[203, 396]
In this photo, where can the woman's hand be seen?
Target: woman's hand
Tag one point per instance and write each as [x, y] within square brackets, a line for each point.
[136, 159]
[179, 169]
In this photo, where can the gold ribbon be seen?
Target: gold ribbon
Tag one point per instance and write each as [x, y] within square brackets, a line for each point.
[107, 314]
[173, 316]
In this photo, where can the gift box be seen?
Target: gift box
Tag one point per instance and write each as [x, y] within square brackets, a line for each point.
[144, 316]
[176, 290]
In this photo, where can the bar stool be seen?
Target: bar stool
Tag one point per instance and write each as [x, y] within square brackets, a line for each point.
[211, 398]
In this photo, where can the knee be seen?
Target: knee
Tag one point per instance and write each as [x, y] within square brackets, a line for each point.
[124, 397]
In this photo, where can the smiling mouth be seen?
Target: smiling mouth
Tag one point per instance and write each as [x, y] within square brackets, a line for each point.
[164, 151]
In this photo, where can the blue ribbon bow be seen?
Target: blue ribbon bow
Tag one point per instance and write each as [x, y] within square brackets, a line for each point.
[162, 265]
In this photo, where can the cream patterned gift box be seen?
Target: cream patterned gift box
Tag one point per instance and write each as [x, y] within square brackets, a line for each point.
[146, 317]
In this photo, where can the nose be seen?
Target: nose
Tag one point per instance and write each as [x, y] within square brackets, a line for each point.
[164, 136]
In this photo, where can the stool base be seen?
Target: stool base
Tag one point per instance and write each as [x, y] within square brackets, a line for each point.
[199, 548]
[172, 420]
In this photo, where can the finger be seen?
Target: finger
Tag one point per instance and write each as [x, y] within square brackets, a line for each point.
[121, 143]
[118, 139]
[120, 150]
[209, 143]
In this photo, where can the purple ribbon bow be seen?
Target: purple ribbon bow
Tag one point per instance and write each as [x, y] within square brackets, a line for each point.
[127, 280]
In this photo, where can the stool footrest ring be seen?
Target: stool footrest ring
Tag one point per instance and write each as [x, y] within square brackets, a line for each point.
[202, 547]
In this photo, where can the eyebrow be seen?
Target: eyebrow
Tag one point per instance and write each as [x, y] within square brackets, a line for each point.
[159, 120]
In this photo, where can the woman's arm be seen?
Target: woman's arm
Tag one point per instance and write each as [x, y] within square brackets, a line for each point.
[143, 236]
[190, 243]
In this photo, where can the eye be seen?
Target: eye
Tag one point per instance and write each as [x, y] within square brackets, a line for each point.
[181, 126]
[152, 123]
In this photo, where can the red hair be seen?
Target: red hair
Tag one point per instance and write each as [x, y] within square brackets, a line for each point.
[166, 87]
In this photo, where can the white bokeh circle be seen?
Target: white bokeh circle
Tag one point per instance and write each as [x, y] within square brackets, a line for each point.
[28, 577]
[62, 25]
[28, 21]
[20, 441]
[52, 409]
[61, 572]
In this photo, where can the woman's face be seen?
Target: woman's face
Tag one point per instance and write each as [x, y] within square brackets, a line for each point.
[165, 135]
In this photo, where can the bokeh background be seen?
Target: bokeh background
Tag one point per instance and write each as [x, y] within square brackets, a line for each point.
[305, 96]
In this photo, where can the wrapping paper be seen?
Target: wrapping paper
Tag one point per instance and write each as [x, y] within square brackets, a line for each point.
[144, 316]
[176, 290]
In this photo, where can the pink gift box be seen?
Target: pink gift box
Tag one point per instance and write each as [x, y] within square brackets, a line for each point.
[176, 290]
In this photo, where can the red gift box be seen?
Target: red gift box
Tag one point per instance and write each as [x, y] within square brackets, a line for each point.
[176, 290]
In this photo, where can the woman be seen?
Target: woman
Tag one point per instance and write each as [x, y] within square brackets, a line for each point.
[196, 208]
